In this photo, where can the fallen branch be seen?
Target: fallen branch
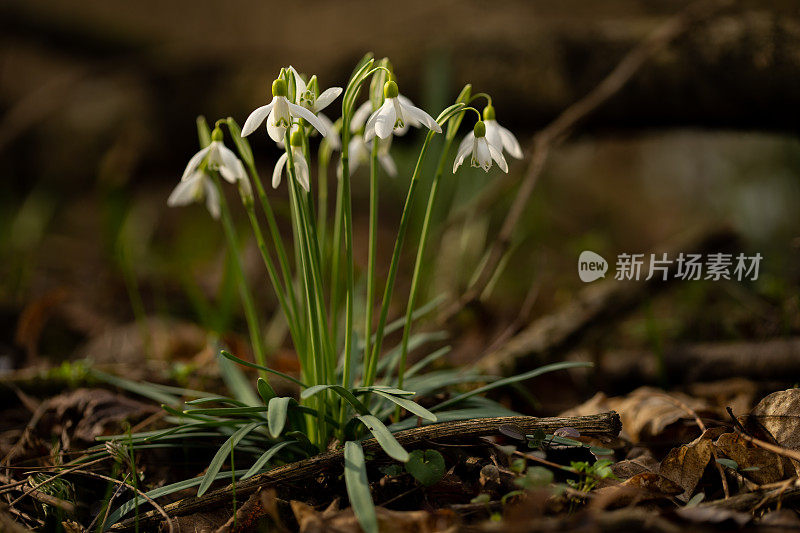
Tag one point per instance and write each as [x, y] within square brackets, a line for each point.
[774, 359]
[749, 501]
[604, 424]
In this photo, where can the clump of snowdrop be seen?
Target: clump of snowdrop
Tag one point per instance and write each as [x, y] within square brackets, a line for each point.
[481, 151]
[318, 287]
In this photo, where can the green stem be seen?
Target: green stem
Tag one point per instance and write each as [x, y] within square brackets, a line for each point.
[369, 377]
[336, 261]
[244, 291]
[347, 220]
[276, 239]
[373, 235]
[412, 296]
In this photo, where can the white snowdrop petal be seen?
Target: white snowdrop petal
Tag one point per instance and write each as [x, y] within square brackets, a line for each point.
[185, 192]
[278, 172]
[384, 123]
[230, 168]
[299, 84]
[275, 133]
[256, 118]
[388, 164]
[212, 198]
[360, 116]
[326, 98]
[311, 118]
[497, 155]
[510, 142]
[493, 134]
[194, 162]
[333, 137]
[301, 170]
[422, 117]
[466, 144]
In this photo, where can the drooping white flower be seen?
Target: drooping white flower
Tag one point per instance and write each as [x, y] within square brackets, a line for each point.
[496, 135]
[482, 152]
[306, 96]
[279, 114]
[360, 153]
[300, 164]
[219, 158]
[197, 186]
[396, 114]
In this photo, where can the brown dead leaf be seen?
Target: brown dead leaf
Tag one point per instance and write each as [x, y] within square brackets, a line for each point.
[641, 487]
[333, 520]
[771, 467]
[646, 412]
[638, 460]
[685, 465]
[779, 415]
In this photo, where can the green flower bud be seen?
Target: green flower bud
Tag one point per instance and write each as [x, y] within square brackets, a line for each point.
[216, 135]
[488, 112]
[296, 139]
[390, 90]
[480, 129]
[279, 88]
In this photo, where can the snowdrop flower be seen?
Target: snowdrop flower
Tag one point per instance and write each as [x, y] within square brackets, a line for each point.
[193, 189]
[482, 151]
[496, 135]
[300, 164]
[396, 113]
[279, 114]
[218, 158]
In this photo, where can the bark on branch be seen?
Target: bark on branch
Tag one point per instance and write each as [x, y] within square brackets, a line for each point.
[604, 424]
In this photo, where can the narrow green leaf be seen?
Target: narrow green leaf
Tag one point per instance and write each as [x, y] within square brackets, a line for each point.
[355, 478]
[276, 415]
[238, 384]
[513, 379]
[408, 405]
[222, 454]
[203, 131]
[235, 359]
[341, 391]
[242, 144]
[166, 490]
[383, 388]
[385, 438]
[265, 457]
[427, 360]
[142, 388]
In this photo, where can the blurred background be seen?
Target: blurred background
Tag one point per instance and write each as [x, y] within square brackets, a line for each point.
[98, 101]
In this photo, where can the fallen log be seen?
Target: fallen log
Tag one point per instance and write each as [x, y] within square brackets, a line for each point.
[603, 424]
